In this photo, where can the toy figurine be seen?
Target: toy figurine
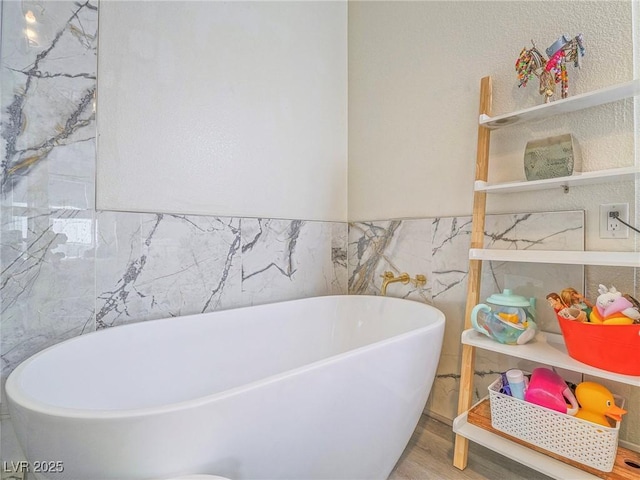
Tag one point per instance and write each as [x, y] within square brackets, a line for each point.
[563, 307]
[572, 298]
[555, 301]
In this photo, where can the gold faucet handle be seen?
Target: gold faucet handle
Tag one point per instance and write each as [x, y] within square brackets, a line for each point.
[387, 275]
[420, 280]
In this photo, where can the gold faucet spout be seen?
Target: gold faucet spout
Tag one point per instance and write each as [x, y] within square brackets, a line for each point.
[389, 277]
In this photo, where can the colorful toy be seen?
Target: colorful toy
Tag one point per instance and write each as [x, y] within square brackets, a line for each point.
[596, 404]
[549, 390]
[565, 306]
[532, 63]
[572, 313]
[556, 302]
[572, 298]
[612, 308]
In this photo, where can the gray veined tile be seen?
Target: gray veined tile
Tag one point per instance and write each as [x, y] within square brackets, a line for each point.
[47, 279]
[398, 246]
[450, 259]
[48, 70]
[288, 259]
[153, 266]
[339, 236]
[367, 244]
[538, 231]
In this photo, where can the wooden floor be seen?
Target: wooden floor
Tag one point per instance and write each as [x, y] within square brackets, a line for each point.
[429, 455]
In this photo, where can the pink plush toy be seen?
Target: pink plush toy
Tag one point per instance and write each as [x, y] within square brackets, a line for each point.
[611, 301]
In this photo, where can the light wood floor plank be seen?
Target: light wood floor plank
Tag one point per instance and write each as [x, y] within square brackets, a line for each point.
[429, 456]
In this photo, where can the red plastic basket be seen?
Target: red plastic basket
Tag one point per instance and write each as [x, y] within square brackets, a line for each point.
[615, 348]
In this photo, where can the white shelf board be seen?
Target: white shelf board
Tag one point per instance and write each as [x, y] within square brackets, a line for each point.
[565, 105]
[547, 348]
[521, 454]
[566, 257]
[577, 179]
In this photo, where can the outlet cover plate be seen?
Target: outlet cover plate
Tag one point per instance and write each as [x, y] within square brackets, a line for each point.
[611, 228]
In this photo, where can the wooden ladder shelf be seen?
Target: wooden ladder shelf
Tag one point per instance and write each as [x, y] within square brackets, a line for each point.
[467, 423]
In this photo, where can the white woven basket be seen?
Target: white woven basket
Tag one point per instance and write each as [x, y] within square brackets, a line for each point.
[585, 442]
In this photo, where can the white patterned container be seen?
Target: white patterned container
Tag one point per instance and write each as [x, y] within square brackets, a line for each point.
[585, 442]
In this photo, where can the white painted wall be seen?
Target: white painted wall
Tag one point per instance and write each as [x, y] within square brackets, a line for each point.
[240, 108]
[223, 108]
[414, 76]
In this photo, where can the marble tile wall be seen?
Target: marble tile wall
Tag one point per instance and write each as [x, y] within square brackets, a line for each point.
[69, 272]
[161, 265]
[48, 80]
[48, 57]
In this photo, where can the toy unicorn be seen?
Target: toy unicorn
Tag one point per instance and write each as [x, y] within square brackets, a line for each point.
[612, 308]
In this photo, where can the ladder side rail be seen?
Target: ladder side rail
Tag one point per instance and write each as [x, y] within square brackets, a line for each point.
[467, 369]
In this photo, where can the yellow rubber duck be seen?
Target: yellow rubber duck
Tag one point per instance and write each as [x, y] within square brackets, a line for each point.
[596, 404]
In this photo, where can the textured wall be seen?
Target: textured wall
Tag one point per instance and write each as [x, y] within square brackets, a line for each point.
[414, 76]
[223, 108]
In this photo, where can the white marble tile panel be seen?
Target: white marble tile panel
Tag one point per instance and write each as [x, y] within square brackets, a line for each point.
[153, 266]
[47, 284]
[288, 259]
[48, 73]
[339, 236]
[367, 243]
[397, 246]
[450, 259]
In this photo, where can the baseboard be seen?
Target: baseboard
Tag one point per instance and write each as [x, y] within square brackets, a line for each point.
[438, 417]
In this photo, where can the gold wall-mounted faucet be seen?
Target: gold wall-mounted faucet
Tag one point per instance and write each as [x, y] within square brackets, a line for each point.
[389, 277]
[404, 277]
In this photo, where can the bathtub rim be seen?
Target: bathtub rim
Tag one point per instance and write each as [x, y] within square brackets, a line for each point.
[16, 396]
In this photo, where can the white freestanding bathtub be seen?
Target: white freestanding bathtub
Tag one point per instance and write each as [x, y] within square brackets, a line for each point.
[319, 388]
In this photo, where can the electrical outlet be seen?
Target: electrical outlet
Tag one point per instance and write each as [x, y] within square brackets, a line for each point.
[610, 226]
